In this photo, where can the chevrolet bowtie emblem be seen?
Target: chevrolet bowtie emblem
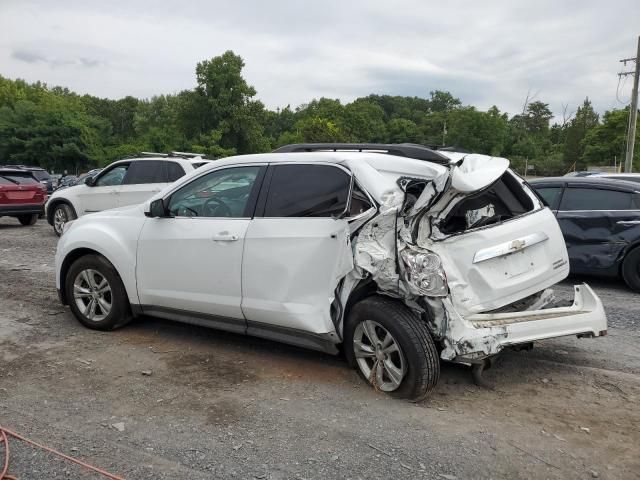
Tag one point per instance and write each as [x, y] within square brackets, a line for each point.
[517, 245]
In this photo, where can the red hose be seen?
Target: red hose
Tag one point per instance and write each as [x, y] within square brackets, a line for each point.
[3, 439]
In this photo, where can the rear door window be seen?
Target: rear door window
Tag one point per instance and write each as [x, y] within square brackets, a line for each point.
[145, 171]
[551, 195]
[307, 191]
[595, 199]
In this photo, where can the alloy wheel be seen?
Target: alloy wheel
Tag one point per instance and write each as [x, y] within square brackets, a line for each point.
[59, 219]
[92, 294]
[378, 355]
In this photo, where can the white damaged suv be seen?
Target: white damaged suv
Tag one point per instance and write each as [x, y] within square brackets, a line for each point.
[398, 254]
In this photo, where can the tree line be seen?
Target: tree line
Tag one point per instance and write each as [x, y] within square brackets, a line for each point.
[61, 130]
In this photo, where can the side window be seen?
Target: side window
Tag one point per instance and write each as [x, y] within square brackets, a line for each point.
[115, 176]
[145, 171]
[360, 203]
[551, 195]
[174, 171]
[307, 191]
[595, 199]
[223, 193]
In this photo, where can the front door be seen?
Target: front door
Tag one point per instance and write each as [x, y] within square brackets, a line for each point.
[189, 263]
[103, 194]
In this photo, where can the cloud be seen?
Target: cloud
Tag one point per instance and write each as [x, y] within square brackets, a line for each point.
[486, 53]
[31, 57]
[27, 56]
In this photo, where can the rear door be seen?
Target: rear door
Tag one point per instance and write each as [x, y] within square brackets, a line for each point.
[598, 223]
[296, 250]
[145, 178]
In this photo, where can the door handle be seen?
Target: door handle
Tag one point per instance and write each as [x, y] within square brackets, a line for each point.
[628, 222]
[225, 237]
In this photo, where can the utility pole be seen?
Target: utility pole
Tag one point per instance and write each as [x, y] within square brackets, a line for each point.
[633, 112]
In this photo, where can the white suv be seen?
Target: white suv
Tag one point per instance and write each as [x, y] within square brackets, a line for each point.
[125, 182]
[398, 253]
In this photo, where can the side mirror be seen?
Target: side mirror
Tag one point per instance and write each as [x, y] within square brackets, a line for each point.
[89, 181]
[155, 209]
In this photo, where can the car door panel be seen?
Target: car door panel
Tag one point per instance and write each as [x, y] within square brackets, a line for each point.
[97, 198]
[192, 264]
[597, 239]
[290, 270]
[190, 260]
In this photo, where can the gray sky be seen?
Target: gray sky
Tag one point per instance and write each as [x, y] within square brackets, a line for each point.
[485, 52]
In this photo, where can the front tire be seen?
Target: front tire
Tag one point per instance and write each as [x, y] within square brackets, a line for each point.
[61, 215]
[391, 348]
[28, 220]
[96, 294]
[631, 269]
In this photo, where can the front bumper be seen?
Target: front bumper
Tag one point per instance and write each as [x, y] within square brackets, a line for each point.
[478, 336]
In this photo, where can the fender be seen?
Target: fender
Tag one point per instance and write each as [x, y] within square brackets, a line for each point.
[116, 241]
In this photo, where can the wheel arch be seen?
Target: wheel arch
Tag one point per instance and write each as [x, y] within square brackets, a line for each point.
[70, 258]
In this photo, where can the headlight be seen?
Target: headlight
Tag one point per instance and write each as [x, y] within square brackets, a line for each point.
[424, 271]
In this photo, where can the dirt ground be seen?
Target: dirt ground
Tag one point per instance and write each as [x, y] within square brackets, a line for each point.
[219, 405]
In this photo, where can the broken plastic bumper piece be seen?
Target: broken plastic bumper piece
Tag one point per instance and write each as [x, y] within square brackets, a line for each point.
[480, 335]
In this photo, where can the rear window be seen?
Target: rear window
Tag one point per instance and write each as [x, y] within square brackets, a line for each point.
[596, 199]
[18, 178]
[307, 191]
[504, 200]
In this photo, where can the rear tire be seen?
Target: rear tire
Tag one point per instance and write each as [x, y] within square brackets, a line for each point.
[631, 269]
[29, 219]
[61, 215]
[96, 294]
[417, 358]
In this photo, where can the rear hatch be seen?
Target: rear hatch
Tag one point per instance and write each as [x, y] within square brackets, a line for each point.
[497, 242]
[18, 188]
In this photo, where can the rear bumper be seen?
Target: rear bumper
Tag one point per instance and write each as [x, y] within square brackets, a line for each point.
[21, 209]
[478, 336]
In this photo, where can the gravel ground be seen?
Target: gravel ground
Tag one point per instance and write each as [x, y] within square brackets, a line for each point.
[218, 405]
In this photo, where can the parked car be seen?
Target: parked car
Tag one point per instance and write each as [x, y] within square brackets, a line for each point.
[21, 195]
[38, 173]
[125, 182]
[397, 253]
[629, 177]
[600, 220]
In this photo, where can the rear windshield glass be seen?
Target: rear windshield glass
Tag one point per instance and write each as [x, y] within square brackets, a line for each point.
[505, 199]
[18, 178]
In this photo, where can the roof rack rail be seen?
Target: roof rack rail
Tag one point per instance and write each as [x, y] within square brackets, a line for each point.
[152, 154]
[410, 150]
[186, 154]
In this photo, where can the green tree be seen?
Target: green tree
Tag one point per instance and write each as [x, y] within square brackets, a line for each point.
[586, 119]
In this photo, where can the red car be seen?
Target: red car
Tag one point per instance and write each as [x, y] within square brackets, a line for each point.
[21, 195]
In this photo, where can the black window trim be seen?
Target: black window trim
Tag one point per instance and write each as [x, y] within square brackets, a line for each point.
[264, 192]
[251, 201]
